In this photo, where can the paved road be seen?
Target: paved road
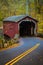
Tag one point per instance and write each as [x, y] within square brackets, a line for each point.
[33, 58]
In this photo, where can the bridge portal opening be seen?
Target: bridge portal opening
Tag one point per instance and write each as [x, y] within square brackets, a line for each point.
[26, 28]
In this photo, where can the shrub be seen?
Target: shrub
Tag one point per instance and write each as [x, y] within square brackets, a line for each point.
[40, 35]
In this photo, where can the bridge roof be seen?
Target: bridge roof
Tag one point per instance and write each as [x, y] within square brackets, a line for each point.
[17, 18]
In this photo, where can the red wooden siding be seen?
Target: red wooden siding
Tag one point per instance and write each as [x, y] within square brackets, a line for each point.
[10, 28]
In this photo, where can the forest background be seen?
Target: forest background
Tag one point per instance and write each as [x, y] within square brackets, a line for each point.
[18, 7]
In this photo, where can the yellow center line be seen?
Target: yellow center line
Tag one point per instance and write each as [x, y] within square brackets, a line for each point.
[22, 55]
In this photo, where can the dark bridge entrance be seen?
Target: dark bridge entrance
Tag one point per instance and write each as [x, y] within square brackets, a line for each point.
[26, 28]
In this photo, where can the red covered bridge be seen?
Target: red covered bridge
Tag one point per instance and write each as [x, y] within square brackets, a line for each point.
[23, 25]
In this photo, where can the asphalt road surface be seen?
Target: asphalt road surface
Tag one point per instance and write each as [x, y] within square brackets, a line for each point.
[30, 52]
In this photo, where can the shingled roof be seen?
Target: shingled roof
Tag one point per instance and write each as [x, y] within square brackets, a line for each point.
[17, 18]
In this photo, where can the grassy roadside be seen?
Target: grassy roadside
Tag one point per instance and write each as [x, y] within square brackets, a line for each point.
[11, 46]
[4, 45]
